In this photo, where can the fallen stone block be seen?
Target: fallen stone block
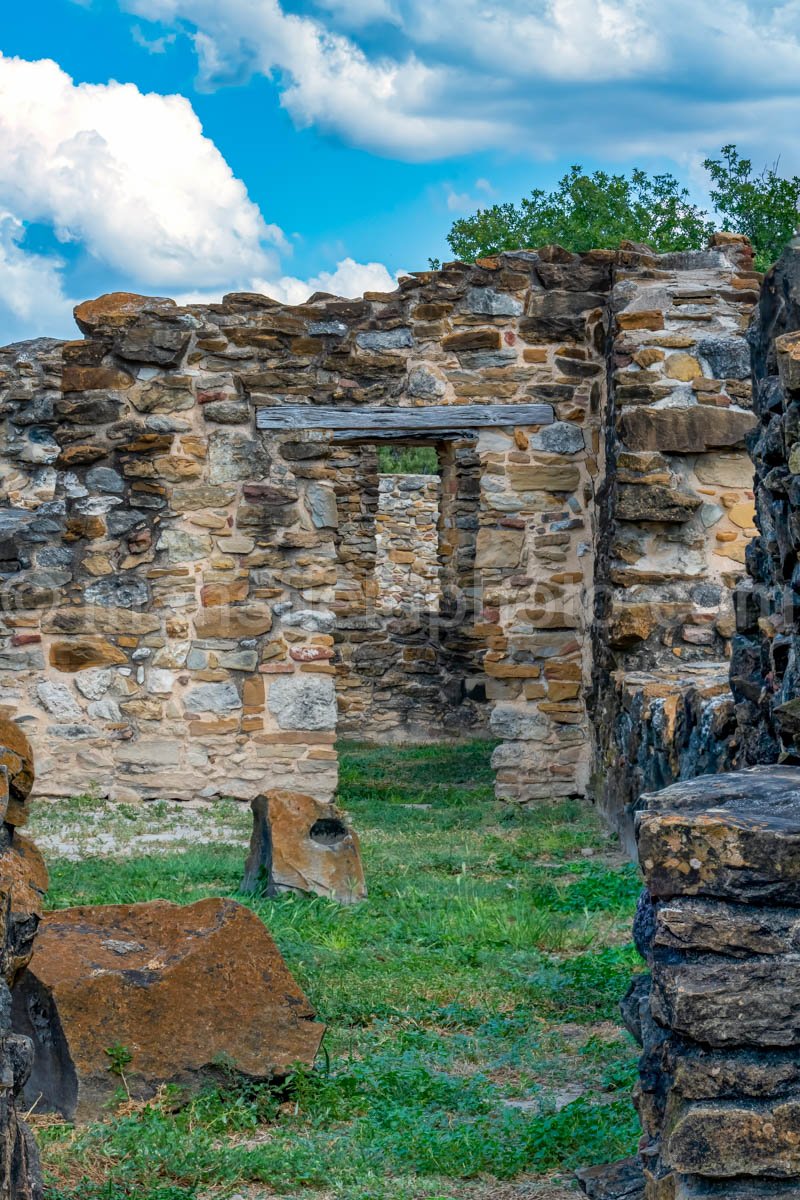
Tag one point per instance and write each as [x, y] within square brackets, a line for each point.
[170, 994]
[613, 1181]
[300, 844]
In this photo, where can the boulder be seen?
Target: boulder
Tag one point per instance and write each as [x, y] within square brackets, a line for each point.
[23, 882]
[170, 994]
[304, 845]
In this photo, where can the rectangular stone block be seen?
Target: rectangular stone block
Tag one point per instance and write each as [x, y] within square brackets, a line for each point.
[725, 1139]
[720, 1003]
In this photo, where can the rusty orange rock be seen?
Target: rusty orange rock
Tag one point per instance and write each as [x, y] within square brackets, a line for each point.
[304, 845]
[184, 991]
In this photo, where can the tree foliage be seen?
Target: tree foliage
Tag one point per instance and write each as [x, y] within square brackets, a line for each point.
[764, 207]
[601, 210]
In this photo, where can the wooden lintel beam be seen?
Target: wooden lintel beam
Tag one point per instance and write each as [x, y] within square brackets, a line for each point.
[439, 420]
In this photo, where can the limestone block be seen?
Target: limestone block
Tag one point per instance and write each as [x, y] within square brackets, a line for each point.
[303, 702]
[499, 548]
[181, 988]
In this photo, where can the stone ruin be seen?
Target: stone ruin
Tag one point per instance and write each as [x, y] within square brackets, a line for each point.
[195, 549]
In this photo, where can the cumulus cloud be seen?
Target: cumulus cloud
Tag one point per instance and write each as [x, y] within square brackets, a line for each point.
[132, 180]
[31, 288]
[592, 76]
[130, 176]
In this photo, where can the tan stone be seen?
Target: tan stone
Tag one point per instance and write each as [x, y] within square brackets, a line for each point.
[744, 514]
[86, 379]
[80, 653]
[114, 310]
[535, 477]
[182, 988]
[301, 844]
[683, 367]
[725, 470]
[644, 319]
[242, 621]
[499, 547]
[145, 708]
[213, 594]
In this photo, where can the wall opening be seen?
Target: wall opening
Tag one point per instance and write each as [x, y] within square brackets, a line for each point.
[408, 649]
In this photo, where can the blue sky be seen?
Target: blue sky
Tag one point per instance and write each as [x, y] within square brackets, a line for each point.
[192, 147]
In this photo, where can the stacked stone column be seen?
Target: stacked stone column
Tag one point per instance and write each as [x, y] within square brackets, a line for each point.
[719, 1015]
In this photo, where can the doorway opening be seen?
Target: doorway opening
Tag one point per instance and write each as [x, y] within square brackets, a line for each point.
[409, 648]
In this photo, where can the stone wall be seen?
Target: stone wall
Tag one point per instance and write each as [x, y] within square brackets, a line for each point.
[765, 669]
[407, 534]
[189, 536]
[717, 1016]
[178, 576]
[677, 515]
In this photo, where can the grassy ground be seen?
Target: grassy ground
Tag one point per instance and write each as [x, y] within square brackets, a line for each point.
[473, 1047]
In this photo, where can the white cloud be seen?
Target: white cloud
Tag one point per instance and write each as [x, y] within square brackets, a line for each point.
[133, 181]
[350, 279]
[129, 175]
[31, 288]
[544, 76]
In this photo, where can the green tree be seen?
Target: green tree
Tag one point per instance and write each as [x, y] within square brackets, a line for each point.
[764, 207]
[601, 210]
[585, 212]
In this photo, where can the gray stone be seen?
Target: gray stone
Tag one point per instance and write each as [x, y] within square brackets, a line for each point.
[184, 547]
[491, 303]
[105, 710]
[321, 501]
[523, 724]
[72, 733]
[234, 457]
[303, 702]
[30, 658]
[728, 358]
[227, 412]
[310, 619]
[560, 438]
[213, 698]
[327, 328]
[238, 660]
[118, 591]
[58, 700]
[104, 479]
[422, 382]
[385, 339]
[94, 683]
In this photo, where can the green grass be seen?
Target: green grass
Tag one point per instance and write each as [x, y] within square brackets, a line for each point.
[471, 1004]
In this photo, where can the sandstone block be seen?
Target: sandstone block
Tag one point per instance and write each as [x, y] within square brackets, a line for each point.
[180, 988]
[726, 1139]
[734, 836]
[692, 430]
[301, 844]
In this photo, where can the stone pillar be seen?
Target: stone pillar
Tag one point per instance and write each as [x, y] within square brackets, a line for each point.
[719, 1014]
